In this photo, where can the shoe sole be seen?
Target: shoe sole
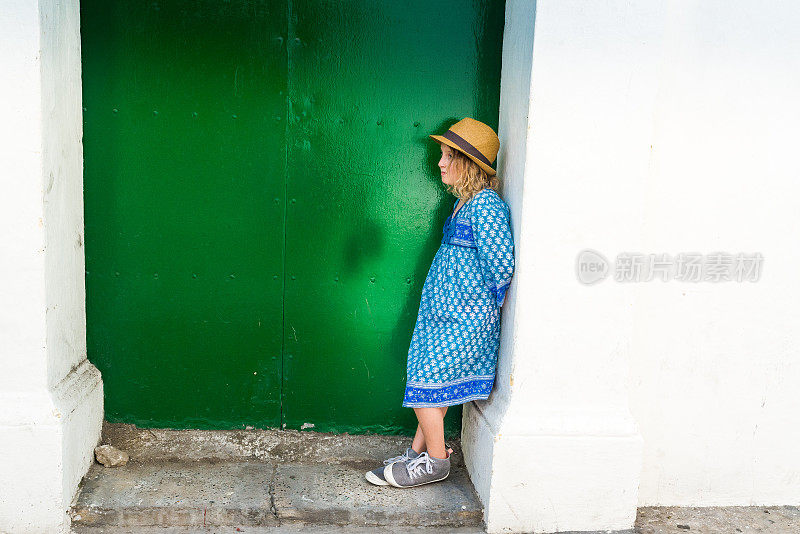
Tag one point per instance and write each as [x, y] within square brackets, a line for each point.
[375, 479]
[387, 474]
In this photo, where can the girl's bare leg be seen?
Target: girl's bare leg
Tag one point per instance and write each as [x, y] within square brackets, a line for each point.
[431, 421]
[419, 438]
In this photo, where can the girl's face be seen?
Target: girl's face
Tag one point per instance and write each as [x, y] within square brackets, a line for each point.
[444, 164]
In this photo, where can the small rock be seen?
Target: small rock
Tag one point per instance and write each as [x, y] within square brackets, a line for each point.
[110, 456]
[684, 527]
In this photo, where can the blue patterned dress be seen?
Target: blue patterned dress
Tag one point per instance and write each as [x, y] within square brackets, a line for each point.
[453, 352]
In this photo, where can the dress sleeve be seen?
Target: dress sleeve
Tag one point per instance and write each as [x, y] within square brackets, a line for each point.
[491, 230]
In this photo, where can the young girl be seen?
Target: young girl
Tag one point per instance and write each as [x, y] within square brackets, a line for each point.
[453, 352]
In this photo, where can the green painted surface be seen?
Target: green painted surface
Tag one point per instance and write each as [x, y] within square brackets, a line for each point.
[262, 202]
[184, 150]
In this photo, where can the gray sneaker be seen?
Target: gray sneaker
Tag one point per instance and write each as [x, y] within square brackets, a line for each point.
[376, 475]
[423, 469]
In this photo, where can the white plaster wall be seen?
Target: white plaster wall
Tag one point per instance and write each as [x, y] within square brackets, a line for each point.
[663, 128]
[71, 377]
[715, 383]
[565, 450]
[22, 315]
[593, 89]
[51, 396]
[62, 173]
[653, 127]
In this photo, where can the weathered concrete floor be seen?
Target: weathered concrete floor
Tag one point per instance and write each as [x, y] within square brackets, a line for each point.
[666, 520]
[266, 493]
[269, 482]
[717, 519]
[262, 479]
[288, 529]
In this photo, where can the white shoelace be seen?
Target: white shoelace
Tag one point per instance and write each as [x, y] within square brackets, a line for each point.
[415, 466]
[402, 458]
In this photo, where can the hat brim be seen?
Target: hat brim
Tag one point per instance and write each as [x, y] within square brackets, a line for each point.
[490, 171]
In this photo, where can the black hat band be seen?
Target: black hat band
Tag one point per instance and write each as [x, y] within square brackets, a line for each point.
[464, 145]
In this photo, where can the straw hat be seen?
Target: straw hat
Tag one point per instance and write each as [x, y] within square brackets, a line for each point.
[475, 140]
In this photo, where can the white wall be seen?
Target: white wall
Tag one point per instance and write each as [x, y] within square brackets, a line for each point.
[667, 127]
[22, 268]
[715, 383]
[652, 127]
[51, 397]
[565, 453]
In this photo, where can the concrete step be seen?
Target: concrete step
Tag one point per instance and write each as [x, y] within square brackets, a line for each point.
[285, 529]
[264, 478]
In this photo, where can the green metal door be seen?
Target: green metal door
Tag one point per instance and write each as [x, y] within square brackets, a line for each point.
[262, 201]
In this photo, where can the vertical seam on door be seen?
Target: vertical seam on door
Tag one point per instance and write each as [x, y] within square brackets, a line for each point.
[287, 106]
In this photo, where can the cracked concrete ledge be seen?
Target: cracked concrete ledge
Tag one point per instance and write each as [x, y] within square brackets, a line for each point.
[270, 481]
[197, 478]
[272, 507]
[145, 444]
[650, 520]
[286, 529]
[264, 493]
[717, 519]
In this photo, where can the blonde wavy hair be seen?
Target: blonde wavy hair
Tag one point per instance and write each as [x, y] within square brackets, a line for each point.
[471, 178]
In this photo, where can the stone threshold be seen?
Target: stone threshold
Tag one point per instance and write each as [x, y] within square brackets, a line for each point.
[197, 478]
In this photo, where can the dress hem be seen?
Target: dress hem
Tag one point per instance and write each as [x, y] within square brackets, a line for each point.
[449, 393]
[445, 403]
